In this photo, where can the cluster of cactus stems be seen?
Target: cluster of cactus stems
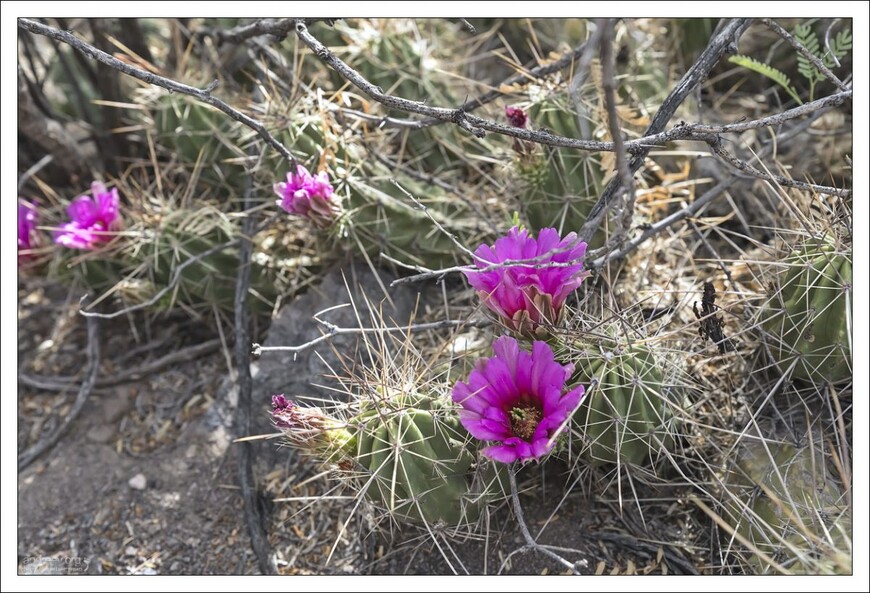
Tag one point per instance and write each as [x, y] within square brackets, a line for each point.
[412, 451]
[808, 317]
[405, 451]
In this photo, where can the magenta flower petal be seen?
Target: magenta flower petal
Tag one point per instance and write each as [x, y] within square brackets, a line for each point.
[502, 453]
[517, 399]
[527, 295]
[92, 219]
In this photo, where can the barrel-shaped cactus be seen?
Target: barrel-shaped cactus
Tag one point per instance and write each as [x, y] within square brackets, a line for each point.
[807, 319]
[628, 415]
[787, 508]
[406, 453]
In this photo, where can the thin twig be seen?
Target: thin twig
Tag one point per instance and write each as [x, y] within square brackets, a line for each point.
[828, 42]
[126, 376]
[34, 169]
[432, 180]
[729, 158]
[467, 26]
[700, 130]
[523, 76]
[655, 135]
[530, 541]
[244, 385]
[718, 46]
[27, 457]
[814, 60]
[334, 330]
[428, 214]
[278, 28]
[708, 196]
[473, 124]
[203, 95]
[539, 262]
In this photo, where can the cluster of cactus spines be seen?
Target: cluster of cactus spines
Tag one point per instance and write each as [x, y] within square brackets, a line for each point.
[417, 463]
[381, 218]
[559, 186]
[395, 57]
[204, 140]
[183, 239]
[629, 414]
[788, 509]
[807, 319]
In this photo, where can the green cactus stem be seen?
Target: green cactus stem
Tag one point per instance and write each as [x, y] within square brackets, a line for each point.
[628, 416]
[808, 317]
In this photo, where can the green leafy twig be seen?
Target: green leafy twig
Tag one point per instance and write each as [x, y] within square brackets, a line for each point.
[838, 48]
[777, 76]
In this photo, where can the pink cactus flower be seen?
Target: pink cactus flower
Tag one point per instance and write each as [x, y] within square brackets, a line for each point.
[28, 218]
[518, 399]
[309, 196]
[528, 295]
[93, 220]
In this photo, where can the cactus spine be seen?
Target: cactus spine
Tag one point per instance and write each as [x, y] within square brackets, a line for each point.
[560, 186]
[779, 500]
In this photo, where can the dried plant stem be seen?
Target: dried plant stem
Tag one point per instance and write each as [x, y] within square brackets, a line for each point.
[333, 330]
[530, 541]
[708, 196]
[608, 85]
[244, 384]
[726, 156]
[27, 457]
[203, 95]
[721, 44]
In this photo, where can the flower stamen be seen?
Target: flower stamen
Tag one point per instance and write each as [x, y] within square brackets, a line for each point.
[525, 418]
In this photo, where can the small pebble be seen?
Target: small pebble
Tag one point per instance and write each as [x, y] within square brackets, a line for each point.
[138, 482]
